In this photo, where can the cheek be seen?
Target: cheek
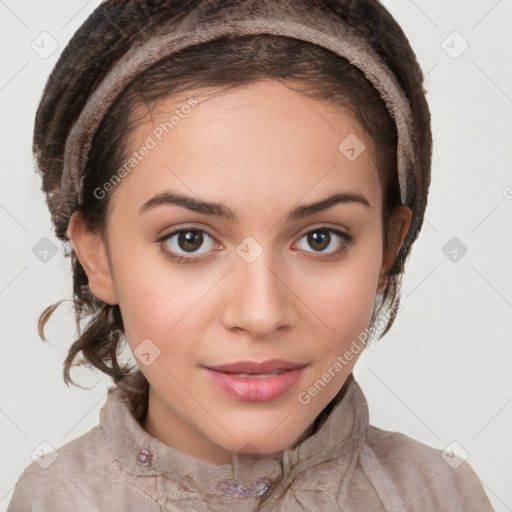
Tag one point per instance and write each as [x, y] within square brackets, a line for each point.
[343, 299]
[155, 307]
[163, 303]
[150, 297]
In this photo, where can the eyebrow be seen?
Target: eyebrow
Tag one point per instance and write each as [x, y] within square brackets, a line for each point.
[220, 210]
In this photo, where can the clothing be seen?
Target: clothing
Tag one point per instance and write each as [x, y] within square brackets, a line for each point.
[345, 464]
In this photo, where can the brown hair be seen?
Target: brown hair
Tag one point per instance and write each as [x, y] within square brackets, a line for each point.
[226, 62]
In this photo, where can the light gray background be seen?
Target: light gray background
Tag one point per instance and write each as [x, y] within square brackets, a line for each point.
[443, 372]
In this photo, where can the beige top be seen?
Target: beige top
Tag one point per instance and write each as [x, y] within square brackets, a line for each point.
[345, 464]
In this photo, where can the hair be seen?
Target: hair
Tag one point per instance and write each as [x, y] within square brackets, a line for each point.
[226, 62]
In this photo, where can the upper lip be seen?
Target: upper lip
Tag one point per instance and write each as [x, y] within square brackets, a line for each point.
[268, 366]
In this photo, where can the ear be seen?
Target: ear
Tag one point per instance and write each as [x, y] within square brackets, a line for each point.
[398, 226]
[92, 254]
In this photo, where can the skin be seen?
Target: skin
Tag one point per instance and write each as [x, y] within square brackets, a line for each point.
[262, 150]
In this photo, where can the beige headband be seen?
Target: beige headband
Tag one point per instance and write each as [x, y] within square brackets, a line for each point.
[199, 27]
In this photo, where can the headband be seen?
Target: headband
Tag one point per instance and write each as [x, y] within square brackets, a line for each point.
[200, 27]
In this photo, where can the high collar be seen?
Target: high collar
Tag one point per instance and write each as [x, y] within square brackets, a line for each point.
[340, 433]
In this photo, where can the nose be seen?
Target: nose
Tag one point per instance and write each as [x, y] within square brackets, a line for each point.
[262, 301]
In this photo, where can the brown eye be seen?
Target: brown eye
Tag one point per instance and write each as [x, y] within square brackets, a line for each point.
[321, 239]
[189, 240]
[182, 242]
[318, 239]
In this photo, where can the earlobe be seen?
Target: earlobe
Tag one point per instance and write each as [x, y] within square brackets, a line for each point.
[399, 225]
[91, 252]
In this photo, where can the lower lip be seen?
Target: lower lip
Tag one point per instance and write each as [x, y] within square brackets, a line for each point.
[254, 389]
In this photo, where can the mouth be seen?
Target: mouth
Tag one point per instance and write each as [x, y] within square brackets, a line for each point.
[254, 381]
[252, 368]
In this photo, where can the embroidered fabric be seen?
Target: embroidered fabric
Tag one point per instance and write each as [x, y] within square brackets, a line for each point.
[343, 464]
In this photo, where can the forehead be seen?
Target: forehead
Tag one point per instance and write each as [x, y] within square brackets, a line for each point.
[263, 138]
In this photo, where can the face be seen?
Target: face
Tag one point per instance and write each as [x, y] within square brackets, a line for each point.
[265, 276]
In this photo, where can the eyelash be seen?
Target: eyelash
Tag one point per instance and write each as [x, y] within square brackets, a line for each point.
[346, 241]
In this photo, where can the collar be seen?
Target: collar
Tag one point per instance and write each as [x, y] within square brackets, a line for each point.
[339, 433]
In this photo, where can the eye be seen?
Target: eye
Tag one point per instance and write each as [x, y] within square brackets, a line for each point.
[189, 240]
[181, 243]
[321, 240]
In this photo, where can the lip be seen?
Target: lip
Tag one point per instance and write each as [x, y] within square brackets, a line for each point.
[256, 389]
[268, 366]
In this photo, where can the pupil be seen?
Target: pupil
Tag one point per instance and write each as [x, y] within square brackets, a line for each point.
[317, 239]
[194, 237]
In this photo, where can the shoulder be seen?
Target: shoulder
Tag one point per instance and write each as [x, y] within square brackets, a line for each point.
[57, 476]
[430, 476]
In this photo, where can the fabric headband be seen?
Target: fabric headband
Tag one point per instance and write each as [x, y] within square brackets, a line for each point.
[199, 28]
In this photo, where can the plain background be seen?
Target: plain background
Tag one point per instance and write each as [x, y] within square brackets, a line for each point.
[441, 375]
